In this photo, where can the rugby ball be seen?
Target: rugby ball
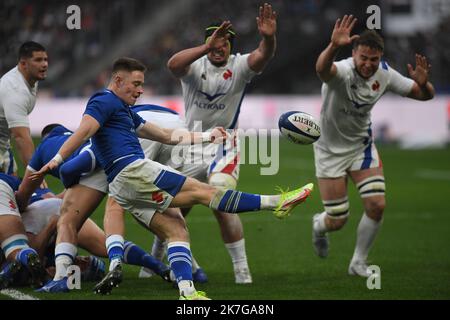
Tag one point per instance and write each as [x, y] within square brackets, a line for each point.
[299, 127]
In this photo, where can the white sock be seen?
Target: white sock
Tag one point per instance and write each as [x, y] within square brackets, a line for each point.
[158, 248]
[195, 264]
[186, 287]
[114, 263]
[65, 252]
[319, 224]
[269, 202]
[115, 243]
[237, 254]
[367, 231]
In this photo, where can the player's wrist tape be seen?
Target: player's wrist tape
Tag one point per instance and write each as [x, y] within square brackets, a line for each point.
[58, 158]
[206, 137]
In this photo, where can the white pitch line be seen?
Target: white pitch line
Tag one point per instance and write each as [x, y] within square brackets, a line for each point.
[17, 295]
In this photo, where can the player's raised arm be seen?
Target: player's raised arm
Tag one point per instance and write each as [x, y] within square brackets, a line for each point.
[267, 27]
[88, 127]
[340, 37]
[179, 63]
[180, 136]
[422, 89]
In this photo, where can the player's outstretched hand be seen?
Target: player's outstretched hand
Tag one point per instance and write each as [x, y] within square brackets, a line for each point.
[219, 135]
[420, 73]
[219, 36]
[341, 32]
[267, 21]
[44, 170]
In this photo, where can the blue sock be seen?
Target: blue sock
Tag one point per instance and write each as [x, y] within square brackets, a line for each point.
[137, 256]
[179, 256]
[233, 201]
[22, 256]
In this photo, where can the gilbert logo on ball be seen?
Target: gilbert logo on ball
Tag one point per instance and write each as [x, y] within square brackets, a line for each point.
[299, 127]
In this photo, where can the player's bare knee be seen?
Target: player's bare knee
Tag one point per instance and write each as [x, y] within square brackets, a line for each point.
[335, 224]
[175, 228]
[375, 207]
[222, 180]
[337, 212]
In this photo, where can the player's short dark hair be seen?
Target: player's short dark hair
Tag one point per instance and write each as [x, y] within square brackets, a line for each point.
[128, 64]
[371, 39]
[48, 128]
[27, 48]
[209, 30]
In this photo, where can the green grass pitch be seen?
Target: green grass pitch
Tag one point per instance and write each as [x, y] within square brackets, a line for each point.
[411, 248]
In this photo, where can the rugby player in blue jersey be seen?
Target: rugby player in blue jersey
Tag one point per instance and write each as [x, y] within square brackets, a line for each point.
[76, 173]
[144, 187]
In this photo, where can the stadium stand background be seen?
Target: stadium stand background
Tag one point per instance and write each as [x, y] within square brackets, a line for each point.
[153, 30]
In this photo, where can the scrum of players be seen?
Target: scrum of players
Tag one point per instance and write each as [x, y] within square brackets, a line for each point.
[40, 232]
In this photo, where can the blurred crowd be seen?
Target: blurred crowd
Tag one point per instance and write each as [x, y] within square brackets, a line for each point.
[304, 29]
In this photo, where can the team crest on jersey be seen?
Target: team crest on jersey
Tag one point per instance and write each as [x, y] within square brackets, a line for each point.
[376, 86]
[227, 74]
[158, 197]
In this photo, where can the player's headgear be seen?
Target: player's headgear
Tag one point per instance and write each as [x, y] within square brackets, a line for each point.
[209, 30]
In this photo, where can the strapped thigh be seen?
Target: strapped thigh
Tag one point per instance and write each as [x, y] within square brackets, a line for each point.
[371, 186]
[338, 208]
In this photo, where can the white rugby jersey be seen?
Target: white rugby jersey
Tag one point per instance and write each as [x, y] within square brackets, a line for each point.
[213, 94]
[17, 100]
[347, 102]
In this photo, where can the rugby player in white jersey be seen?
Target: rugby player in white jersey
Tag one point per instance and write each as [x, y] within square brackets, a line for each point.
[350, 89]
[213, 82]
[18, 89]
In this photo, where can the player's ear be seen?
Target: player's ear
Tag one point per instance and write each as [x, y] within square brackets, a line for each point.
[23, 62]
[117, 79]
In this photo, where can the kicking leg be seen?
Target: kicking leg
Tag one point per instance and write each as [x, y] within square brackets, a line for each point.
[231, 201]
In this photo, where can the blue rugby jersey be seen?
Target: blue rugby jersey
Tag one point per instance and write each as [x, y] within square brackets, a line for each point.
[115, 144]
[48, 148]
